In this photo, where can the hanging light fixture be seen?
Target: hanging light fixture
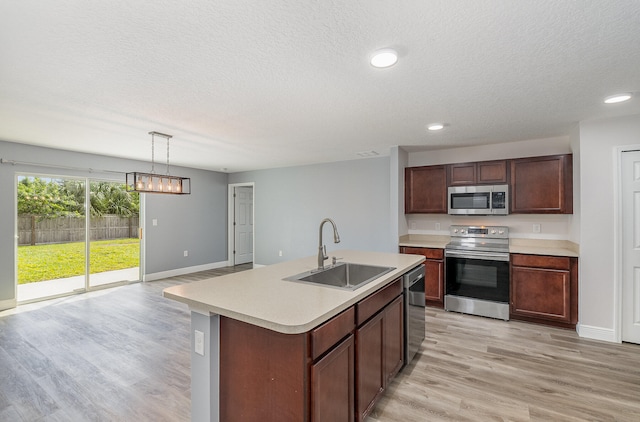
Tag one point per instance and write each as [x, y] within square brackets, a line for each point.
[158, 183]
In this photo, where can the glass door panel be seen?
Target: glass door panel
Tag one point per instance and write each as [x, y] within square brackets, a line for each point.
[114, 247]
[51, 236]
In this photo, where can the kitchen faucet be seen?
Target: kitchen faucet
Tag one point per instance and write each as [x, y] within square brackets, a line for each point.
[322, 249]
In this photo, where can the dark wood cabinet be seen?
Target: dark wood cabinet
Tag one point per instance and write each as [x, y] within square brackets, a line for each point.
[542, 185]
[537, 185]
[332, 384]
[478, 173]
[434, 273]
[462, 174]
[544, 289]
[379, 346]
[370, 380]
[425, 190]
[393, 339]
[334, 372]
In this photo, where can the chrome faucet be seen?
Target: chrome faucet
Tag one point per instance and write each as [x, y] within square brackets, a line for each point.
[322, 249]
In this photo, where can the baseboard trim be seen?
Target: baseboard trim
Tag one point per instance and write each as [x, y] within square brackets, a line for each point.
[185, 270]
[8, 304]
[597, 333]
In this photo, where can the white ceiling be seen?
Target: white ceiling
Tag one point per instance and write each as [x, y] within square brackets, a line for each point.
[246, 84]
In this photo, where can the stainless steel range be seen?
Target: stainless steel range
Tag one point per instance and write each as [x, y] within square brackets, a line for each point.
[477, 271]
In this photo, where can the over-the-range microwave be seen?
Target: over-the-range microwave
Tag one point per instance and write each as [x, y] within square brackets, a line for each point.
[479, 200]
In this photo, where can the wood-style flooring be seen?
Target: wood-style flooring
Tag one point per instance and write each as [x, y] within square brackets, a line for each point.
[123, 355]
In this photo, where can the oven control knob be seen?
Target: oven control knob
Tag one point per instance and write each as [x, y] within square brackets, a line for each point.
[501, 232]
[455, 230]
[493, 232]
[462, 231]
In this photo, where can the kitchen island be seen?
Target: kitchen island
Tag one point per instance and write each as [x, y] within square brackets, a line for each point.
[260, 342]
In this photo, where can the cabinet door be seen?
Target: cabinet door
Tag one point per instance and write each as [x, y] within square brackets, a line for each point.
[542, 185]
[370, 379]
[541, 293]
[462, 174]
[492, 172]
[434, 282]
[434, 274]
[425, 190]
[332, 388]
[393, 338]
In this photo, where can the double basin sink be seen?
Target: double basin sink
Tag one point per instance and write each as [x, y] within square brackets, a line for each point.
[343, 275]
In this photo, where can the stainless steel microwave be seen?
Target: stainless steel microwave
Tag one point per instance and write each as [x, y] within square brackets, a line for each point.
[479, 200]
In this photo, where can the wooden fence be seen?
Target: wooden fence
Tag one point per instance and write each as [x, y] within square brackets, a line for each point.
[33, 230]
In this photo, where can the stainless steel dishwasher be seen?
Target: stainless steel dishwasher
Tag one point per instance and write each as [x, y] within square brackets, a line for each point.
[414, 304]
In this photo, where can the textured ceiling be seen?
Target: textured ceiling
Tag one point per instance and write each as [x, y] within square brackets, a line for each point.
[245, 84]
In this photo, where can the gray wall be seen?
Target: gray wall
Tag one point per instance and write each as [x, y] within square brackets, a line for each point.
[599, 305]
[291, 202]
[195, 222]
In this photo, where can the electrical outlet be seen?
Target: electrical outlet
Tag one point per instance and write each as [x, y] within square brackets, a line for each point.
[437, 226]
[154, 221]
[279, 253]
[413, 225]
[186, 253]
[198, 342]
[536, 228]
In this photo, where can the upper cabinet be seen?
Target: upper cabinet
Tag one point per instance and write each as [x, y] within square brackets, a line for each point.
[542, 185]
[538, 185]
[481, 173]
[425, 190]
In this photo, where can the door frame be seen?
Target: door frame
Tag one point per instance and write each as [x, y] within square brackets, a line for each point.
[230, 215]
[618, 240]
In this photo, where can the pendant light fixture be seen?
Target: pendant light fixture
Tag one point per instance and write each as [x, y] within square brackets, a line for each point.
[158, 183]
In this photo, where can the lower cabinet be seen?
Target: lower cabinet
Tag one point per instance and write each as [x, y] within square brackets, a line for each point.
[379, 355]
[433, 274]
[544, 289]
[332, 384]
[334, 372]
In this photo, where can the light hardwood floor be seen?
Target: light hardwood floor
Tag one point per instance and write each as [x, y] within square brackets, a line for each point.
[123, 355]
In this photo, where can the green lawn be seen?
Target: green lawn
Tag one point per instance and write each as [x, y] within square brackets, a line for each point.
[49, 262]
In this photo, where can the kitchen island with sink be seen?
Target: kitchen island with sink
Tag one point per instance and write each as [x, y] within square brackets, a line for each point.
[266, 348]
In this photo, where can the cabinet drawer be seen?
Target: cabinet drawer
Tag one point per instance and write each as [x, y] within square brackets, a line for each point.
[371, 305]
[429, 253]
[541, 261]
[331, 332]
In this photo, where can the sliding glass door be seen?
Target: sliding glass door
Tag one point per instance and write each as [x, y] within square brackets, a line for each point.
[73, 239]
[114, 248]
[51, 236]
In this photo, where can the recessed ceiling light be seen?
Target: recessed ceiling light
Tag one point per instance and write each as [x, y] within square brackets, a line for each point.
[435, 126]
[618, 98]
[384, 58]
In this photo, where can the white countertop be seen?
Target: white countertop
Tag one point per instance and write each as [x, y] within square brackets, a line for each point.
[516, 245]
[261, 297]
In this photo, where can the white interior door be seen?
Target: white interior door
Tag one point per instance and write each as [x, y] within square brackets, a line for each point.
[631, 246]
[243, 224]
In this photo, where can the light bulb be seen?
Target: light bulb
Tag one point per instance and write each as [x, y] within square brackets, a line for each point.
[618, 98]
[384, 58]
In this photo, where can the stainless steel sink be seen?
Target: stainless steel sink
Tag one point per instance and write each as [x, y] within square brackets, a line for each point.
[344, 275]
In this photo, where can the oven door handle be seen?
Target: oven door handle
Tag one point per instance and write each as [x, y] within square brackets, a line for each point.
[487, 256]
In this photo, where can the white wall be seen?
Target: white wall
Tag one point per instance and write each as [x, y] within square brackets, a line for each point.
[556, 227]
[599, 140]
[530, 148]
